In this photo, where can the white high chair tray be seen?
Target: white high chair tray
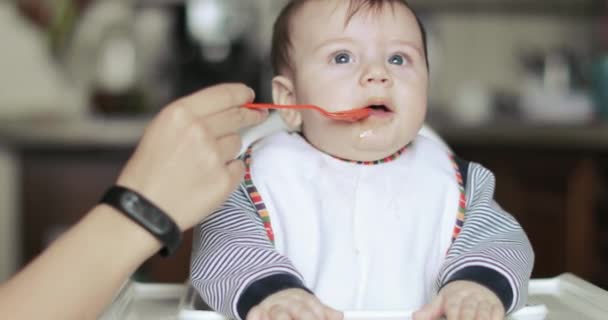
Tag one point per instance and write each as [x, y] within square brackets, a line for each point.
[568, 297]
[565, 297]
[191, 309]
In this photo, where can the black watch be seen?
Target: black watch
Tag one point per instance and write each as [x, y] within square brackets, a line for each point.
[147, 215]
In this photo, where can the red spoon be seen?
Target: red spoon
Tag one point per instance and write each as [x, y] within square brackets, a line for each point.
[348, 115]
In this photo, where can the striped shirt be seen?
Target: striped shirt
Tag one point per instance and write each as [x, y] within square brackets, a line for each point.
[234, 265]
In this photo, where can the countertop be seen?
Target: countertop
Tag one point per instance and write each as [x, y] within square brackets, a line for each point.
[592, 136]
[92, 132]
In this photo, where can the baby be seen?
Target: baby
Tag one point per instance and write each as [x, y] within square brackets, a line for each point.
[358, 216]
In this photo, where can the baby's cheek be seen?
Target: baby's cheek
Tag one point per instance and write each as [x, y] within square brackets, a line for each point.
[411, 122]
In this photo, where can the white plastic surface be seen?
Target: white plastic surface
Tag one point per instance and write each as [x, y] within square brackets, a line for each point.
[137, 301]
[529, 313]
[570, 298]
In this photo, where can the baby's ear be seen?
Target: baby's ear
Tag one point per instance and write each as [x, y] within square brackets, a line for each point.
[283, 93]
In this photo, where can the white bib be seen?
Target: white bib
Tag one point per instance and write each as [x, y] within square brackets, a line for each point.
[363, 237]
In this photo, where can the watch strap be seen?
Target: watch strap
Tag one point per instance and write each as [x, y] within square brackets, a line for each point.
[147, 215]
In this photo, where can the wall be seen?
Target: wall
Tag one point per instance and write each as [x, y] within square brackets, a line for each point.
[31, 82]
[485, 48]
[9, 219]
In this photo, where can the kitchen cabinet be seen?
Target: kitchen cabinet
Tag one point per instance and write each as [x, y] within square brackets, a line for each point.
[52, 173]
[58, 185]
[9, 233]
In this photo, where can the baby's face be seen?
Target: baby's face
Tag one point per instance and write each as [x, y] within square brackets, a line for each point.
[377, 59]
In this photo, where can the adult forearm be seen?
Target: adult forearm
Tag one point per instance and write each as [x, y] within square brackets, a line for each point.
[84, 268]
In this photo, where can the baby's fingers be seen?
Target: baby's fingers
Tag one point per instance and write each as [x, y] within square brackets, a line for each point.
[310, 308]
[331, 314]
[257, 313]
[484, 312]
[430, 311]
[313, 309]
[277, 312]
[304, 311]
[498, 313]
[468, 309]
[453, 306]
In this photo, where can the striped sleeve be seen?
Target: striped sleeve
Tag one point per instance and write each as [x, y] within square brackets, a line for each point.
[232, 256]
[492, 248]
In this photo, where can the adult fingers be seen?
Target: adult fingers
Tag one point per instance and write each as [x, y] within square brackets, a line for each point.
[216, 98]
[229, 146]
[232, 120]
[236, 171]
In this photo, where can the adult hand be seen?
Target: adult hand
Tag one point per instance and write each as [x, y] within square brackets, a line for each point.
[185, 161]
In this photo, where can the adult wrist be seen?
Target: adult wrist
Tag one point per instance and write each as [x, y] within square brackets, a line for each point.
[111, 225]
[146, 214]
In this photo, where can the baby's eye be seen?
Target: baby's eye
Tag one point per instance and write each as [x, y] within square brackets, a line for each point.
[342, 58]
[397, 59]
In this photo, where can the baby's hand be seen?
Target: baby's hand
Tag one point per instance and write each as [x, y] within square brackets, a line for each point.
[463, 300]
[293, 304]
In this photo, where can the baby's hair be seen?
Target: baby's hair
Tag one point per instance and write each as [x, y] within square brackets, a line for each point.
[281, 40]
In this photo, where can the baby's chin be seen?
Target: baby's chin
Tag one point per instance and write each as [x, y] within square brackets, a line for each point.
[369, 146]
[366, 141]
[372, 147]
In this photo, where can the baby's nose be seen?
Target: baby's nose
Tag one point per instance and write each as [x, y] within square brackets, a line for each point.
[377, 79]
[377, 76]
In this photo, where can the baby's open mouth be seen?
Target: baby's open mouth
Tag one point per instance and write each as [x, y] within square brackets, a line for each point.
[379, 110]
[379, 107]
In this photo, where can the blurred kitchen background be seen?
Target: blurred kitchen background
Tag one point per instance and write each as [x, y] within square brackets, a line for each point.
[520, 86]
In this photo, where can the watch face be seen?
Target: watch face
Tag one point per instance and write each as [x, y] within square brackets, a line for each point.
[137, 208]
[146, 214]
[131, 202]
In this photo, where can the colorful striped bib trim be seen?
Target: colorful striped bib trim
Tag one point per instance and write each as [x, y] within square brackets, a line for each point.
[372, 163]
